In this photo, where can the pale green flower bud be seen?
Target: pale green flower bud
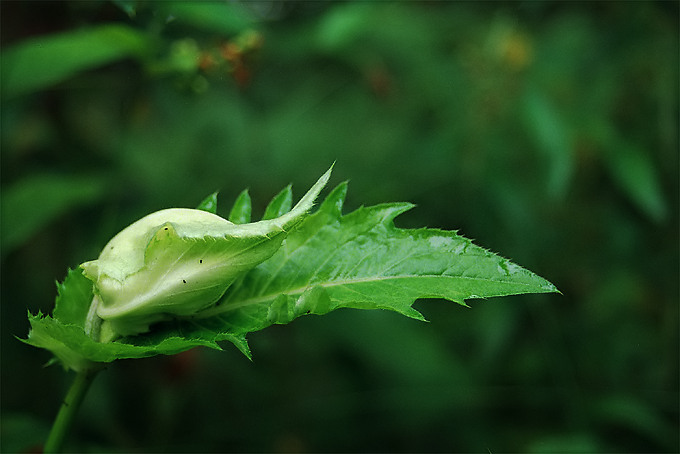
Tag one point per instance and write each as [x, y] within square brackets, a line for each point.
[176, 263]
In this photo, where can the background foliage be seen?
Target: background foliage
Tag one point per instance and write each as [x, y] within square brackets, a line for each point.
[546, 131]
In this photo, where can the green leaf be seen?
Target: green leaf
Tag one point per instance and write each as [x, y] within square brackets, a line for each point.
[76, 350]
[209, 204]
[64, 335]
[280, 204]
[328, 261]
[550, 134]
[128, 6]
[222, 17]
[32, 203]
[633, 171]
[361, 260]
[177, 262]
[73, 298]
[240, 212]
[43, 61]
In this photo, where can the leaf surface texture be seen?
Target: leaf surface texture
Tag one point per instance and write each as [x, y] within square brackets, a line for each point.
[328, 261]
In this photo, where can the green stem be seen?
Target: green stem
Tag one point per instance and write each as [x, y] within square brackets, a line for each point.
[68, 410]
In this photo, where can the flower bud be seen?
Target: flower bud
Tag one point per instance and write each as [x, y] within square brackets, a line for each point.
[176, 263]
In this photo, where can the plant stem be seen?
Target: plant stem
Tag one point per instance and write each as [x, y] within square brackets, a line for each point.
[68, 410]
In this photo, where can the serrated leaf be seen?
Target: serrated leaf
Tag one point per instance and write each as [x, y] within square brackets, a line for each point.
[280, 204]
[329, 261]
[73, 298]
[177, 262]
[209, 204]
[361, 260]
[240, 212]
[64, 335]
[76, 350]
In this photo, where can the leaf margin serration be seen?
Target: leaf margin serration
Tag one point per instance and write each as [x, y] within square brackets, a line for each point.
[170, 337]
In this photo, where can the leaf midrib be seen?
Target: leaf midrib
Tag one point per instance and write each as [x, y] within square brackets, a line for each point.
[231, 306]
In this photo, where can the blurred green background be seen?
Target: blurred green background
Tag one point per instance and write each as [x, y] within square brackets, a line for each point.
[546, 131]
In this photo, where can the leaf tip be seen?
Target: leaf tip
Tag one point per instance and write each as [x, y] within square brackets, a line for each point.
[209, 203]
[335, 200]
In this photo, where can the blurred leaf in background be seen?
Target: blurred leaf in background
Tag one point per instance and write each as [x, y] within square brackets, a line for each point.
[38, 63]
[546, 131]
[33, 202]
